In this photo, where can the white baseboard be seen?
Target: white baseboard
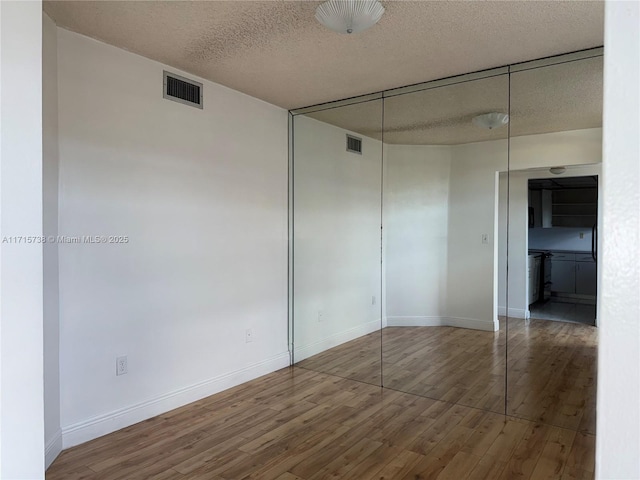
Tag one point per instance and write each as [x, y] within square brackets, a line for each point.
[311, 349]
[110, 422]
[473, 323]
[514, 312]
[53, 449]
[441, 321]
[416, 321]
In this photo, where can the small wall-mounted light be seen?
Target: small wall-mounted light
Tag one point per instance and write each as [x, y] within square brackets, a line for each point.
[557, 170]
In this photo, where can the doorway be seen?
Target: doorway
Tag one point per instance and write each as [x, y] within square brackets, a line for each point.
[562, 252]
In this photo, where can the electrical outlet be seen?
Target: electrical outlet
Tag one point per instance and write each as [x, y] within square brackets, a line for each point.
[121, 365]
[485, 238]
[248, 335]
[581, 234]
[373, 299]
[320, 315]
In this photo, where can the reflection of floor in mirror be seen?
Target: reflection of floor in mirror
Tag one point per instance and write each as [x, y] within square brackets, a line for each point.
[446, 363]
[565, 312]
[552, 373]
[357, 360]
[552, 367]
[295, 424]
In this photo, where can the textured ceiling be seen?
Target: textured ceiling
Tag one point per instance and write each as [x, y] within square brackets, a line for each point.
[277, 51]
[556, 98]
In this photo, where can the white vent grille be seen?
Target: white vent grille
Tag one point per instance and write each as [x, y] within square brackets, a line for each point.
[354, 144]
[182, 90]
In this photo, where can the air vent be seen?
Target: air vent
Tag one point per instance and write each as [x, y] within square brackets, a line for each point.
[183, 90]
[354, 144]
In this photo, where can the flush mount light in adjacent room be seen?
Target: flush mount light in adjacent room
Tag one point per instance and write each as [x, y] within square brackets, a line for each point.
[557, 170]
[349, 16]
[491, 120]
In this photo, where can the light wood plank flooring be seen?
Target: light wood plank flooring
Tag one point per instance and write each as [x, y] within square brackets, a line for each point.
[456, 365]
[297, 424]
[552, 373]
[551, 367]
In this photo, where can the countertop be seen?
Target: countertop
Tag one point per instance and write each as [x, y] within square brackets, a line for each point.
[541, 250]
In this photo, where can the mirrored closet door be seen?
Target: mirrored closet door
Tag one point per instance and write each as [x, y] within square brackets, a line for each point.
[445, 239]
[555, 160]
[445, 147]
[336, 275]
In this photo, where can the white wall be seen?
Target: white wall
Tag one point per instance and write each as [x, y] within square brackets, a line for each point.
[560, 238]
[336, 237]
[472, 213]
[416, 198]
[618, 440]
[202, 197]
[52, 432]
[21, 276]
[573, 147]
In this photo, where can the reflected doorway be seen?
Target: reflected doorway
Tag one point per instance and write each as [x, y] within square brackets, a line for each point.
[562, 248]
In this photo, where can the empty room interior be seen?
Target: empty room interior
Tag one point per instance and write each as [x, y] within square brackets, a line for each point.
[302, 240]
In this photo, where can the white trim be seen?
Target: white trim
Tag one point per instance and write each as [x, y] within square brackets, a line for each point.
[110, 422]
[311, 349]
[440, 321]
[473, 323]
[416, 321]
[53, 449]
[514, 312]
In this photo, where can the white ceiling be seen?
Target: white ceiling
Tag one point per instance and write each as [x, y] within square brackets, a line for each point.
[276, 50]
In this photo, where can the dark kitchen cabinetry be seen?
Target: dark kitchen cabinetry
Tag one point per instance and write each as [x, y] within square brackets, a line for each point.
[575, 207]
[563, 273]
[573, 273]
[586, 275]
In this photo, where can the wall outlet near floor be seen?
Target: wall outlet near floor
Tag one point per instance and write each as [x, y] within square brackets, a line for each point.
[248, 335]
[320, 316]
[485, 239]
[373, 299]
[581, 234]
[121, 365]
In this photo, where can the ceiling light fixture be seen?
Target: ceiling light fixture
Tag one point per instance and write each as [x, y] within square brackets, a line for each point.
[491, 120]
[349, 16]
[557, 170]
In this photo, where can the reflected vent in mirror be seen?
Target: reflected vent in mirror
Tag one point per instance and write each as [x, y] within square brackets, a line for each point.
[354, 144]
[182, 90]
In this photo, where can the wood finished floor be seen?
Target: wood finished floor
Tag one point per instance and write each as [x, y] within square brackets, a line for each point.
[552, 373]
[298, 424]
[551, 367]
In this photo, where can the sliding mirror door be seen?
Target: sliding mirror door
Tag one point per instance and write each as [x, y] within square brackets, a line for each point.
[555, 158]
[337, 175]
[445, 147]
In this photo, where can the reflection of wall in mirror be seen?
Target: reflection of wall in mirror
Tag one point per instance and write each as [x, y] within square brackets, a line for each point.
[438, 202]
[337, 237]
[416, 205]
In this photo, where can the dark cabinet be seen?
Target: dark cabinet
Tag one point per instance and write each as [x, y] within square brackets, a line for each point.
[563, 275]
[586, 277]
[575, 207]
[573, 273]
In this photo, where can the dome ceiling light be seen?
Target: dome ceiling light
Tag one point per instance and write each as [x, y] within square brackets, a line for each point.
[349, 16]
[557, 170]
[491, 120]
